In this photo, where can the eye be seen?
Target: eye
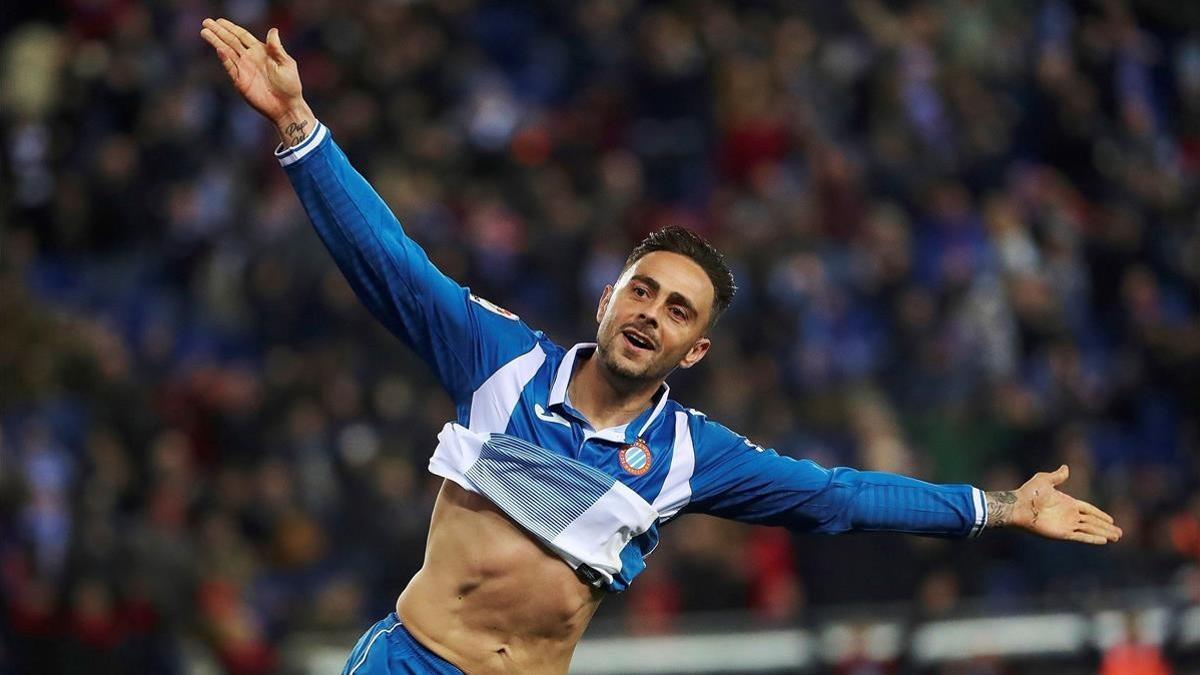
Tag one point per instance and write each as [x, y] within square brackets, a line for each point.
[678, 313]
[640, 291]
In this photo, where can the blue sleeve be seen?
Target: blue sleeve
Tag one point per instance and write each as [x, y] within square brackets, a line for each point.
[738, 480]
[463, 338]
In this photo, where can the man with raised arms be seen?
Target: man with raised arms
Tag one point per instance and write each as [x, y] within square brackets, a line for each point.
[562, 463]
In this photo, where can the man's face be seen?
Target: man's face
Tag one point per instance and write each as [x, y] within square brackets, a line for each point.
[654, 319]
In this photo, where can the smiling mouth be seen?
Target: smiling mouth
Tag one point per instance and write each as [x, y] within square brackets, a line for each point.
[637, 340]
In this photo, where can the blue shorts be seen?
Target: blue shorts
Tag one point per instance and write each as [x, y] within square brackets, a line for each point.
[389, 649]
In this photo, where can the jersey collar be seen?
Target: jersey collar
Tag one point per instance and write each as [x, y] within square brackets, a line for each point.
[625, 432]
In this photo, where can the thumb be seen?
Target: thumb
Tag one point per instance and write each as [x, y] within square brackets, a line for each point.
[1060, 476]
[275, 47]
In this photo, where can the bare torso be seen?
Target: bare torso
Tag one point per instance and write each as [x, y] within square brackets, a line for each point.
[489, 598]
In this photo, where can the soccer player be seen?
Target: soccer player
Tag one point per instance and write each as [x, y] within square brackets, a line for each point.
[562, 464]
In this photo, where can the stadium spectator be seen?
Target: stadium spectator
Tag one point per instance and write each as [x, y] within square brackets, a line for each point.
[966, 235]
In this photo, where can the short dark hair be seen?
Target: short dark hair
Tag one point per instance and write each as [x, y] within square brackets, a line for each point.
[676, 239]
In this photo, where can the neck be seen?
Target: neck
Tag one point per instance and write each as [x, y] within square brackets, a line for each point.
[606, 399]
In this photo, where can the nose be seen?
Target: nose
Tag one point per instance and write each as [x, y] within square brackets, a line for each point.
[650, 316]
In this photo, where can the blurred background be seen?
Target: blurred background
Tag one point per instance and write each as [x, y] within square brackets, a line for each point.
[967, 236]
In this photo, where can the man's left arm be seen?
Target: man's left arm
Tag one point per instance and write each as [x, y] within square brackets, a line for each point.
[738, 480]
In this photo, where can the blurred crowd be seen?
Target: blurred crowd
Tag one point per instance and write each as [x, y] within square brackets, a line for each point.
[966, 235]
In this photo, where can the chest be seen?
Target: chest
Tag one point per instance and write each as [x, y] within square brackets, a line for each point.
[639, 461]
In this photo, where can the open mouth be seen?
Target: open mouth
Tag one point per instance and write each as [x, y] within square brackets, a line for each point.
[637, 340]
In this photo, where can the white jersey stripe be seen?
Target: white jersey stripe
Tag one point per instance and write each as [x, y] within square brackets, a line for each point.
[371, 643]
[676, 489]
[493, 402]
[980, 503]
[289, 156]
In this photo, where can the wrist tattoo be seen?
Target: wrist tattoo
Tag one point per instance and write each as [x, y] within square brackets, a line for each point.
[1000, 507]
[296, 132]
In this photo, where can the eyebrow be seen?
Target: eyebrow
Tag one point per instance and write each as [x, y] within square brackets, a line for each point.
[674, 297]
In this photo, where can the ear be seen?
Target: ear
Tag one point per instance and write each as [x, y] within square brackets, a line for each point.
[697, 352]
[604, 298]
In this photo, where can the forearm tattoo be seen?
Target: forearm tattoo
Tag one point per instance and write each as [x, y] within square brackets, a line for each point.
[1000, 506]
[296, 132]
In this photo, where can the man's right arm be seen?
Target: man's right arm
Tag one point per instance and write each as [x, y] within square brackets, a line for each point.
[388, 271]
[461, 339]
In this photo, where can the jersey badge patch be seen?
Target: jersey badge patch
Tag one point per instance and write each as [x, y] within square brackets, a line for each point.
[635, 458]
[493, 307]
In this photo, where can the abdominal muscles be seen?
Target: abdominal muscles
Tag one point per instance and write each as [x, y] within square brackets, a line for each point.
[490, 598]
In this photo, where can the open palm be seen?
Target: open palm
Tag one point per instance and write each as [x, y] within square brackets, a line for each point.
[1042, 509]
[262, 73]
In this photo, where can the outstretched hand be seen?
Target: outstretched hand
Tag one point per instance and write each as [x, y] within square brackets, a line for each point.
[1039, 507]
[264, 75]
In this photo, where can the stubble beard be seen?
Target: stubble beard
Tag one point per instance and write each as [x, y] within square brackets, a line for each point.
[653, 370]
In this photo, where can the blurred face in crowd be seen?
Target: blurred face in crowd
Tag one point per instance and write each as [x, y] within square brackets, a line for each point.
[654, 319]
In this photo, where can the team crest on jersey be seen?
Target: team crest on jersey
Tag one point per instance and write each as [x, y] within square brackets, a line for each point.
[493, 307]
[635, 458]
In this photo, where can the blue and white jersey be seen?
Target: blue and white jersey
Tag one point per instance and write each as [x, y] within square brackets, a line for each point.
[595, 496]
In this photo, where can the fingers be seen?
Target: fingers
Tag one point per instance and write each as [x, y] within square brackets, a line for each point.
[244, 36]
[1093, 521]
[225, 36]
[212, 39]
[1099, 529]
[1099, 520]
[1060, 476]
[1085, 538]
[275, 47]
[227, 56]
[223, 50]
[232, 41]
[1090, 510]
